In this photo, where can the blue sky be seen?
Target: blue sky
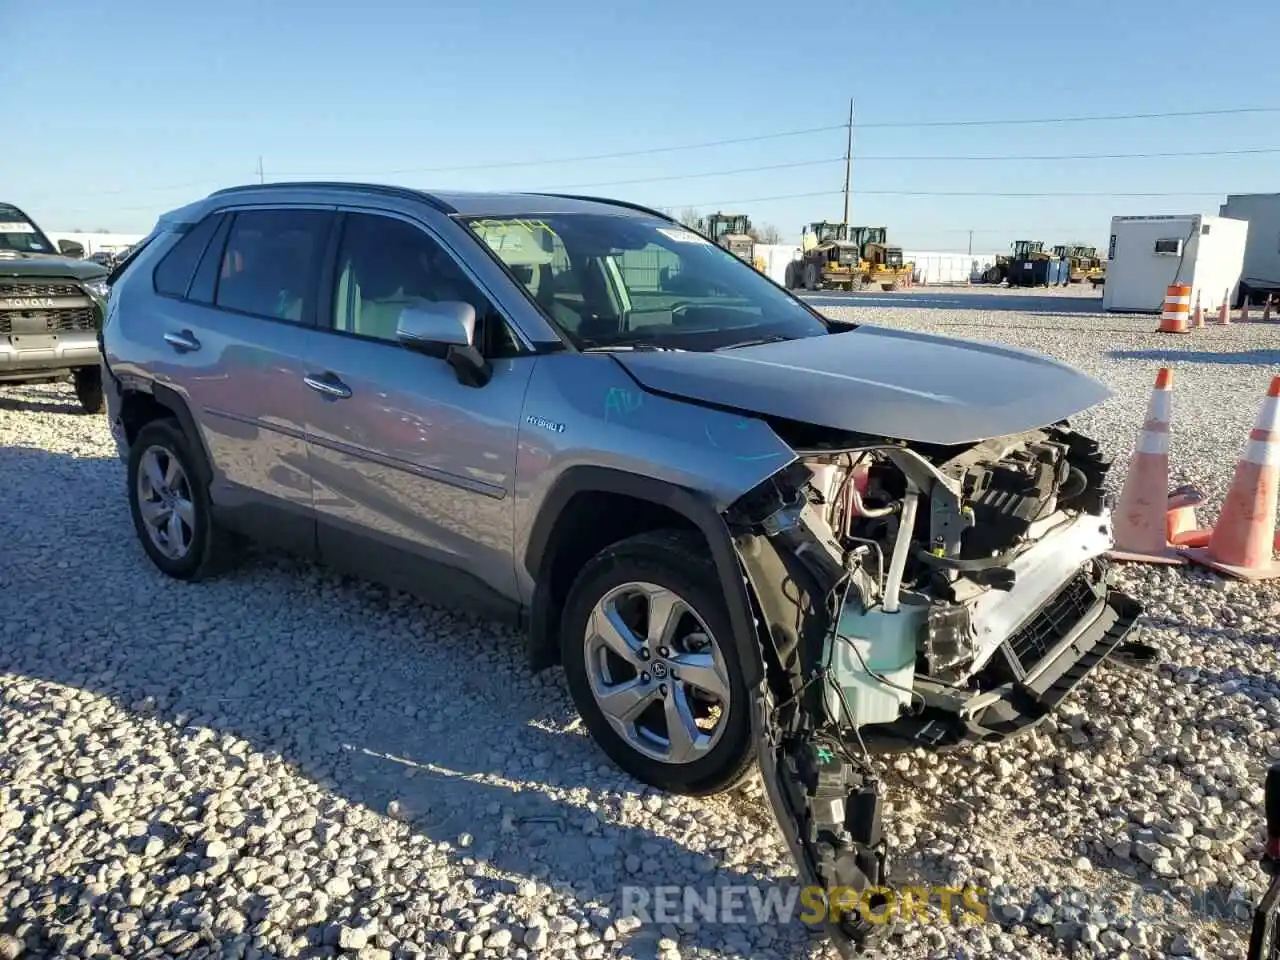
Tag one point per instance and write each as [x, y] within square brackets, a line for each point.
[126, 108]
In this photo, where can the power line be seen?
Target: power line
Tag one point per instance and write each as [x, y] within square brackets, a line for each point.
[651, 151]
[1095, 118]
[1040, 193]
[694, 176]
[1248, 151]
[845, 159]
[1075, 156]
[944, 193]
[620, 155]
[901, 124]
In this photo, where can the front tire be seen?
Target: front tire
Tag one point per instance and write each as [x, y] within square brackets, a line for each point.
[88, 384]
[169, 502]
[647, 649]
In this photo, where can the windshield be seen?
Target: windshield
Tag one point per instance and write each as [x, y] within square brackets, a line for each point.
[18, 233]
[621, 281]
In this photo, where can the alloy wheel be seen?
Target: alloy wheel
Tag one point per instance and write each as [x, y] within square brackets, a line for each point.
[165, 502]
[657, 672]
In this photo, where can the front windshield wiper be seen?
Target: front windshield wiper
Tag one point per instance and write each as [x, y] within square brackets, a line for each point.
[774, 338]
[610, 347]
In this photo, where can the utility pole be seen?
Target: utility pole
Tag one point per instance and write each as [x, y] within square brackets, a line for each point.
[970, 241]
[261, 177]
[848, 162]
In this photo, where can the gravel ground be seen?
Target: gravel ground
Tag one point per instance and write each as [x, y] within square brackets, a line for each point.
[286, 763]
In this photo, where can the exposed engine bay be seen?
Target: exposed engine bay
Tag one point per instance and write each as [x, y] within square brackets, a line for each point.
[917, 597]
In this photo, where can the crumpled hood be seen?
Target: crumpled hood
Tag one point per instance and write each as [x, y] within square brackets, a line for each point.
[879, 381]
[47, 265]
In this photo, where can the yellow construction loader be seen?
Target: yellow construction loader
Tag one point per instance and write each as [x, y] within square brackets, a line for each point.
[1086, 265]
[881, 263]
[733, 232]
[828, 259]
[838, 256]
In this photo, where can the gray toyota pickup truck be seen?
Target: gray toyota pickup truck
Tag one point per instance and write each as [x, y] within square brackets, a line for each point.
[51, 308]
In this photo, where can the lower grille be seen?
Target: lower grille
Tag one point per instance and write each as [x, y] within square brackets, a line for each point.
[39, 288]
[48, 321]
[1055, 620]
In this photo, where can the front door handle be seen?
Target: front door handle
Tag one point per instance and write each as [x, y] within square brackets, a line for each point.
[329, 385]
[184, 341]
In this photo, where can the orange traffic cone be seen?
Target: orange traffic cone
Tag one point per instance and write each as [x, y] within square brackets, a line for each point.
[1141, 524]
[1181, 526]
[1244, 537]
[1224, 309]
[1244, 309]
[1197, 318]
[1177, 304]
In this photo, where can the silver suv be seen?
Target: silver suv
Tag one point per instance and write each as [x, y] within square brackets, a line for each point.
[746, 532]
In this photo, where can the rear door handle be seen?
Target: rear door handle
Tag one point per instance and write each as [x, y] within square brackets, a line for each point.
[184, 341]
[329, 385]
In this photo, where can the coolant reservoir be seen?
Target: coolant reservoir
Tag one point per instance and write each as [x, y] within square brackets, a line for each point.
[874, 642]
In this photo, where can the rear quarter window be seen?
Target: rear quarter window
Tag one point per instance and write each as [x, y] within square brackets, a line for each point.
[173, 274]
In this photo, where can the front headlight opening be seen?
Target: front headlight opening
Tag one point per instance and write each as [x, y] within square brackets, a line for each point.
[98, 288]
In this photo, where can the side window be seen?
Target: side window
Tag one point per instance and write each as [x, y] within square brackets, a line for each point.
[173, 273]
[270, 263]
[206, 279]
[385, 265]
[537, 257]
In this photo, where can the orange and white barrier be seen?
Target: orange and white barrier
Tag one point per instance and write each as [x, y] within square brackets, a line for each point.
[1177, 309]
[1244, 537]
[1140, 519]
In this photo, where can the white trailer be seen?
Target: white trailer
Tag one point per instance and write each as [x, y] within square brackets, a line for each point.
[777, 257]
[1148, 254]
[948, 269]
[1262, 252]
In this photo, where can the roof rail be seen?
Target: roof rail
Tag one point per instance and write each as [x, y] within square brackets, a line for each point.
[406, 193]
[607, 200]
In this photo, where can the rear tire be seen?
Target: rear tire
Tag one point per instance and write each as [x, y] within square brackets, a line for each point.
[88, 384]
[200, 549]
[674, 562]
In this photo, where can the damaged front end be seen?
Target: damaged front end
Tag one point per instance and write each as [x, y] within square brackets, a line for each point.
[914, 596]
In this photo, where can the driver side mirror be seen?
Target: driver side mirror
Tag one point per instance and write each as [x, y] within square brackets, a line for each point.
[447, 328]
[69, 248]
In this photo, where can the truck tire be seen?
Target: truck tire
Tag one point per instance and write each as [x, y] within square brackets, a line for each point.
[88, 384]
[645, 644]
